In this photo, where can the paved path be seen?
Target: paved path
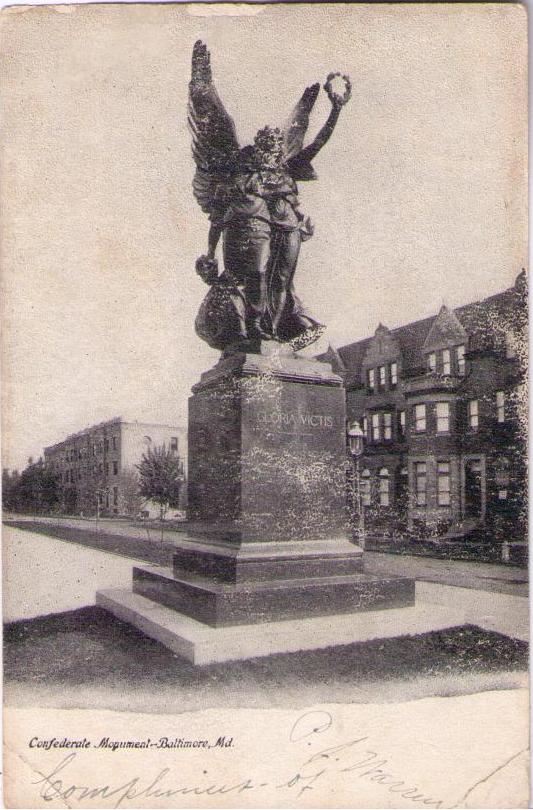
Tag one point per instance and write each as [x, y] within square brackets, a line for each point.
[42, 575]
[507, 579]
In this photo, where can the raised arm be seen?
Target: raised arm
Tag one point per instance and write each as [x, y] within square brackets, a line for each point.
[323, 136]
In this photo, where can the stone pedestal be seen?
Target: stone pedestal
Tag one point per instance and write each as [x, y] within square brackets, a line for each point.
[267, 457]
[268, 539]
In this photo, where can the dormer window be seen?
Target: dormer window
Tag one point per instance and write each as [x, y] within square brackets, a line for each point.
[446, 361]
[432, 361]
[382, 377]
[371, 379]
[394, 374]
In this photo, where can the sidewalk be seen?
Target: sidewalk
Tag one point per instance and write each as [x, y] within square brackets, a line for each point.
[509, 579]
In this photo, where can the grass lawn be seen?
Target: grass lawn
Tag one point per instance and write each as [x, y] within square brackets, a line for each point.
[87, 658]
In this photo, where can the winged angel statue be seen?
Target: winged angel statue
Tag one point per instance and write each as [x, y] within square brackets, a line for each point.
[251, 197]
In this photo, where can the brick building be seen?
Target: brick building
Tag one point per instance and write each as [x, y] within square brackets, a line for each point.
[442, 403]
[96, 464]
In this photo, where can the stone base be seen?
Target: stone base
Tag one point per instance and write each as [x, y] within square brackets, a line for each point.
[203, 645]
[267, 451]
[208, 555]
[221, 604]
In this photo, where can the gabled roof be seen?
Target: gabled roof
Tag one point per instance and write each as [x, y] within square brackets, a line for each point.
[445, 328]
[494, 317]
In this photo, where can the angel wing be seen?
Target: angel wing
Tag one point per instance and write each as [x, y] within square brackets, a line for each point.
[296, 126]
[215, 146]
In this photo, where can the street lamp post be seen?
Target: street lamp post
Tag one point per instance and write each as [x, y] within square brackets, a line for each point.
[356, 447]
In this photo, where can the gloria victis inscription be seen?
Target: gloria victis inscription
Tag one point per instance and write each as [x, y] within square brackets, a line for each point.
[287, 419]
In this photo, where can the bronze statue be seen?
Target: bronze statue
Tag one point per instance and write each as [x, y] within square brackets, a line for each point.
[251, 197]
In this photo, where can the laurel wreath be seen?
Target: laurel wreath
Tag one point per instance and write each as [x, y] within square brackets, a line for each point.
[328, 87]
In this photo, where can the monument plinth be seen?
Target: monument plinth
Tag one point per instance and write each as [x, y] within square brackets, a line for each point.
[267, 470]
[267, 538]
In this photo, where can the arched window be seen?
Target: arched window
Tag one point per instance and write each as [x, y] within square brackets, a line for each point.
[384, 493]
[365, 487]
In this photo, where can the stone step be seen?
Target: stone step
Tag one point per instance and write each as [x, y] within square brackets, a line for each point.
[256, 562]
[222, 604]
[201, 644]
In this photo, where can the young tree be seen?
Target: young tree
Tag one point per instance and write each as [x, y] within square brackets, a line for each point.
[161, 476]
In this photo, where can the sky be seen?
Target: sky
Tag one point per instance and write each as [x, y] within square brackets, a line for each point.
[420, 198]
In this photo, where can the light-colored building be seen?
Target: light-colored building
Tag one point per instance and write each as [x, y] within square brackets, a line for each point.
[96, 466]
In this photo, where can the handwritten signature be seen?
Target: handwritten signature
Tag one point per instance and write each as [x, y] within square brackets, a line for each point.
[351, 757]
[368, 764]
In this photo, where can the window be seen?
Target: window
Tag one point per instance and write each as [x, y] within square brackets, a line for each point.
[420, 483]
[473, 414]
[432, 361]
[106, 445]
[461, 363]
[173, 444]
[114, 440]
[387, 426]
[443, 417]
[382, 378]
[375, 427]
[394, 373]
[443, 483]
[446, 362]
[365, 487]
[401, 423]
[500, 406]
[371, 379]
[106, 468]
[420, 418]
[115, 468]
[384, 497]
[115, 496]
[365, 426]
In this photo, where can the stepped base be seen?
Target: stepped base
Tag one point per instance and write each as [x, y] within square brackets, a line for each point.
[221, 604]
[203, 645]
[210, 555]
